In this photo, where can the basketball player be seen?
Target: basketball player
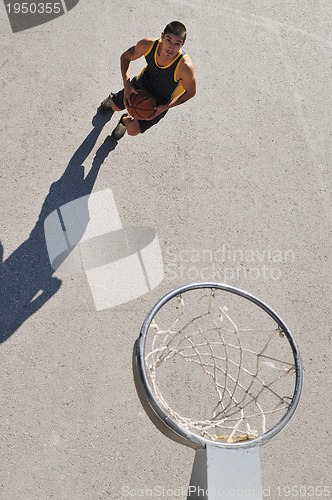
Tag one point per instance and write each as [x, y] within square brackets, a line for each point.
[169, 75]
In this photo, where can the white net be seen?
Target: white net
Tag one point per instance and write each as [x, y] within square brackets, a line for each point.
[211, 373]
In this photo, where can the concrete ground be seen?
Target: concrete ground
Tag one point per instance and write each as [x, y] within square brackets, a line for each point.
[237, 184]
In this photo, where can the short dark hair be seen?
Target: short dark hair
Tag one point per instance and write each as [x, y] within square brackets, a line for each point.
[176, 28]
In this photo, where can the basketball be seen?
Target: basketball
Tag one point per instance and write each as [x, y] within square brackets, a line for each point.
[142, 105]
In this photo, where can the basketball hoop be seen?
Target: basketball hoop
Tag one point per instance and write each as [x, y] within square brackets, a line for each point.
[217, 370]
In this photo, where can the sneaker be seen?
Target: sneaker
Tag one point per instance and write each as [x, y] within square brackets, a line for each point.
[120, 129]
[106, 105]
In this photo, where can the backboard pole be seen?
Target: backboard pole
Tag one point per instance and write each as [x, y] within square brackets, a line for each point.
[226, 474]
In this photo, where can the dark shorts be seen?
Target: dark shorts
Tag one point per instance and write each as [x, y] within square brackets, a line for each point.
[143, 124]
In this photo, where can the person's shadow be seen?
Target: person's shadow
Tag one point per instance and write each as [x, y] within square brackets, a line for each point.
[26, 276]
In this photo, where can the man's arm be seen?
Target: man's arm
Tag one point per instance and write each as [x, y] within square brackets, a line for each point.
[133, 53]
[186, 74]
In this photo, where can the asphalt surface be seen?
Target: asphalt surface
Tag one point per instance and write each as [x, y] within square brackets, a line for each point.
[237, 185]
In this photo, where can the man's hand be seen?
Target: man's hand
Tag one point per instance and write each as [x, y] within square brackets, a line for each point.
[128, 90]
[158, 110]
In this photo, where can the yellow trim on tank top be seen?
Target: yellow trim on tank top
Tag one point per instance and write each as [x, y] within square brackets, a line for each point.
[178, 91]
[177, 67]
[168, 65]
[141, 72]
[146, 53]
[150, 48]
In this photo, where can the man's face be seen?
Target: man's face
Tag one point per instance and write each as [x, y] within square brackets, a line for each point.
[170, 45]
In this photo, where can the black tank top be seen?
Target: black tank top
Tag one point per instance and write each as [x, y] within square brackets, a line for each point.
[160, 80]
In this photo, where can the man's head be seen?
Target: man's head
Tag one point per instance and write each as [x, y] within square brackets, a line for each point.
[172, 38]
[176, 28]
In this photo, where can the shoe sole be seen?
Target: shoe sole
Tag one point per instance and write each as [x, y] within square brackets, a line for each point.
[118, 135]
